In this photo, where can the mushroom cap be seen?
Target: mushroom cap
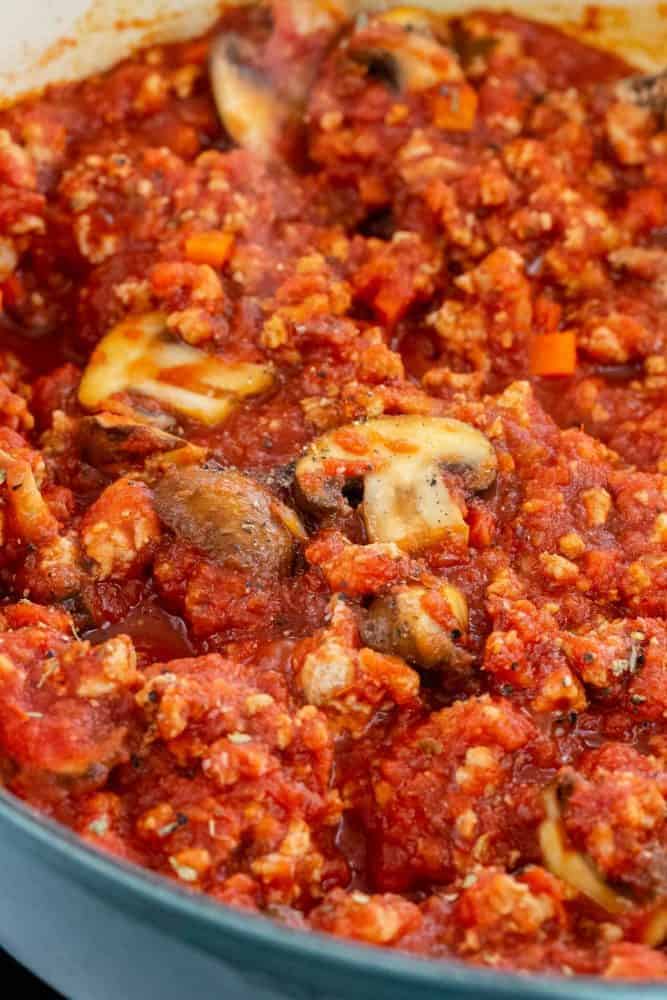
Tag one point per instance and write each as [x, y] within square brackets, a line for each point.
[250, 110]
[400, 460]
[401, 623]
[645, 91]
[228, 516]
[407, 41]
[106, 439]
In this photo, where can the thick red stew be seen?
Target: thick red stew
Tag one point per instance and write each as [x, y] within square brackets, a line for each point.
[333, 461]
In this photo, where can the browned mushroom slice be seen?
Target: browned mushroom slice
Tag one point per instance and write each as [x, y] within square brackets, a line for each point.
[230, 517]
[106, 439]
[400, 461]
[406, 42]
[646, 91]
[140, 355]
[404, 623]
[577, 870]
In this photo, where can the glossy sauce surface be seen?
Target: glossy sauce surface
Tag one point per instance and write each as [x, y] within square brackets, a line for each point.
[221, 711]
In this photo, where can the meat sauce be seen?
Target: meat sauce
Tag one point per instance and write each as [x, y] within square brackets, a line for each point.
[334, 481]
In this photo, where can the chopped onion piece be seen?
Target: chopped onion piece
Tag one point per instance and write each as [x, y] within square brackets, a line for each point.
[573, 867]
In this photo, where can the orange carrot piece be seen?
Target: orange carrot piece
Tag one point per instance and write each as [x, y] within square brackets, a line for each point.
[553, 353]
[214, 248]
[455, 107]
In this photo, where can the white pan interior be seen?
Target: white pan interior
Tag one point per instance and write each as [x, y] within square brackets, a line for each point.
[65, 39]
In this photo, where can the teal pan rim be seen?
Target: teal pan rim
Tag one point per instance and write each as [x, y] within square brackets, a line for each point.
[258, 945]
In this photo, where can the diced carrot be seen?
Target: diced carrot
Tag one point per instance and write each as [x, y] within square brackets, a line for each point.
[553, 353]
[214, 248]
[455, 107]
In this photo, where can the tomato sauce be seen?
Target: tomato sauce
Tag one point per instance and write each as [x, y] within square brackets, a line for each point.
[316, 597]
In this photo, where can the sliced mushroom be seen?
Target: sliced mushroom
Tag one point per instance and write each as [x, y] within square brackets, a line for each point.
[249, 108]
[230, 517]
[254, 107]
[646, 91]
[404, 41]
[577, 870]
[400, 461]
[140, 355]
[573, 867]
[402, 623]
[34, 521]
[106, 439]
